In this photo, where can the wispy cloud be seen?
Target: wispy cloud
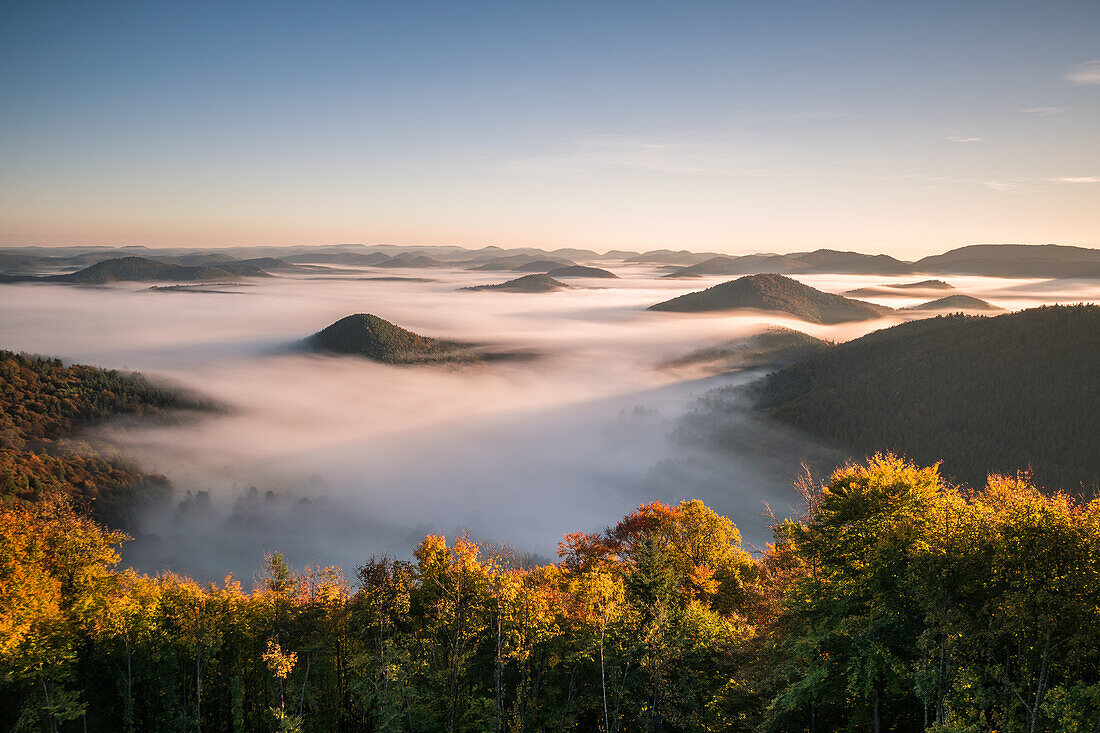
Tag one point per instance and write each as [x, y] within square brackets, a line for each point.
[1012, 185]
[1035, 185]
[642, 154]
[1048, 113]
[1086, 73]
[964, 139]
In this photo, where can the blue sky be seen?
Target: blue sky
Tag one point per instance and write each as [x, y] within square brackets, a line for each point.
[907, 128]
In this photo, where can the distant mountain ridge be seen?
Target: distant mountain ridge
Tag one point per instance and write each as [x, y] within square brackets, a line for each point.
[996, 260]
[774, 292]
[1015, 260]
[818, 261]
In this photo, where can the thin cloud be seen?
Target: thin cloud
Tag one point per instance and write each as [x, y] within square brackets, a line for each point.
[1048, 113]
[611, 152]
[962, 139]
[1013, 185]
[1086, 73]
[1075, 179]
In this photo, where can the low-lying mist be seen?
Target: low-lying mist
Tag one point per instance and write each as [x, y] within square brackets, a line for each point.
[331, 459]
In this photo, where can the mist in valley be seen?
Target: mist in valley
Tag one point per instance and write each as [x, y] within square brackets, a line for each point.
[331, 459]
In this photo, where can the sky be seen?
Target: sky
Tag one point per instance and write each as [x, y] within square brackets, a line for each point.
[896, 127]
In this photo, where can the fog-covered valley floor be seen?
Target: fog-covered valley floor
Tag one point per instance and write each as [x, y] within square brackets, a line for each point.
[331, 459]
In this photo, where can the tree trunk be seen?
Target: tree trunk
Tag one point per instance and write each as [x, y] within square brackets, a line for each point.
[1040, 686]
[878, 707]
[198, 691]
[568, 698]
[499, 673]
[46, 692]
[305, 681]
[385, 702]
[603, 678]
[129, 687]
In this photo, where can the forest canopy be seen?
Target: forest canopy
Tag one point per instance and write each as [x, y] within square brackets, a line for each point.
[894, 601]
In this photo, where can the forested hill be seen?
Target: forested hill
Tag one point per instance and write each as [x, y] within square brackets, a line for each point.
[774, 293]
[982, 394]
[537, 283]
[365, 334]
[43, 403]
[140, 269]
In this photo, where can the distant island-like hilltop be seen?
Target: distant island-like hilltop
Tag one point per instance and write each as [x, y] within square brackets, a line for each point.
[367, 335]
[773, 292]
[525, 284]
[955, 303]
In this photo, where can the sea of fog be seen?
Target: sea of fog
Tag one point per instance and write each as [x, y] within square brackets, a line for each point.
[332, 459]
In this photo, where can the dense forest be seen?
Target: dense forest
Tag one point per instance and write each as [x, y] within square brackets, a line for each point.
[43, 405]
[894, 602]
[982, 394]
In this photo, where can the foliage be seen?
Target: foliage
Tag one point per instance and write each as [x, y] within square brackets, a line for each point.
[894, 602]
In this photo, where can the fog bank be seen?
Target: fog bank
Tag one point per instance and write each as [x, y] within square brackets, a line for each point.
[349, 457]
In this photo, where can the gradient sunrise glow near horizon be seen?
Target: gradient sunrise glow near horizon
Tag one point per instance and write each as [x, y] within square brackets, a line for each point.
[904, 128]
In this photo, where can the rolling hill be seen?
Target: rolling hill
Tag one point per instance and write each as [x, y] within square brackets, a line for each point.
[141, 269]
[955, 303]
[581, 271]
[1015, 260]
[773, 292]
[901, 289]
[981, 393]
[681, 257]
[818, 261]
[542, 265]
[364, 334]
[525, 284]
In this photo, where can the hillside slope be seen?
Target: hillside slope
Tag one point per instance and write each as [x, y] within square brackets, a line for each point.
[955, 303]
[981, 393]
[525, 284]
[44, 403]
[771, 347]
[364, 334]
[774, 293]
[581, 271]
